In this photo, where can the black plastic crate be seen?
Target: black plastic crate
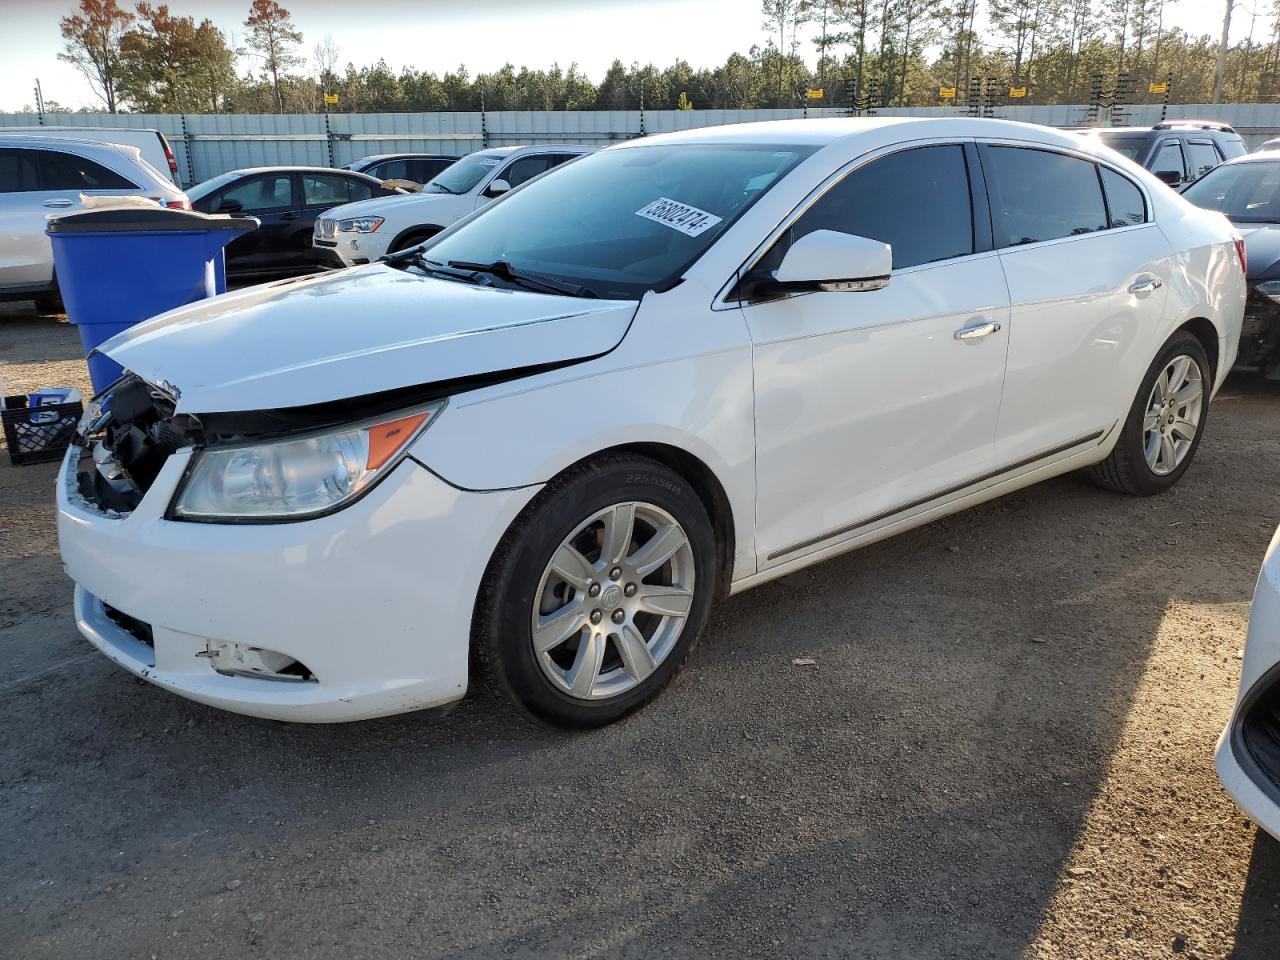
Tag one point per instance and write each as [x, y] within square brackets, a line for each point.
[38, 434]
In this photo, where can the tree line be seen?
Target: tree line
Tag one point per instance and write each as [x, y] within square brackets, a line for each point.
[863, 53]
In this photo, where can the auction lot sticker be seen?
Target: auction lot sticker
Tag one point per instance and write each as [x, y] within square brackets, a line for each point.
[678, 216]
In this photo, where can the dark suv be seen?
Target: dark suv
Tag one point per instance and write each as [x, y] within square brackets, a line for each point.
[1176, 151]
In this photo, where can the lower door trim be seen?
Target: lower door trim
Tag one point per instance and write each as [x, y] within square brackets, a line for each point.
[1095, 437]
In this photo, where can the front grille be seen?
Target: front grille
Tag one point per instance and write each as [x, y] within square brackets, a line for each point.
[136, 628]
[1260, 731]
[326, 229]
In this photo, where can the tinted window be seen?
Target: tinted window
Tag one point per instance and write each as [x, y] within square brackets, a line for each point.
[19, 171]
[423, 170]
[1232, 147]
[526, 168]
[66, 171]
[359, 190]
[330, 190]
[259, 193]
[1037, 195]
[917, 201]
[623, 221]
[1125, 203]
[390, 170]
[1202, 157]
[1168, 159]
[1129, 145]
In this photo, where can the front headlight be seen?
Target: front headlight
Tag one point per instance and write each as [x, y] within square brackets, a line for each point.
[1270, 290]
[297, 477]
[360, 224]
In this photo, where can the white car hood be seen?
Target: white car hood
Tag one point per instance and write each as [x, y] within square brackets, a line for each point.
[353, 333]
[380, 206]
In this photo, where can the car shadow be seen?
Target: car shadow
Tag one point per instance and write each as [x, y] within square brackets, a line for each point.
[1258, 932]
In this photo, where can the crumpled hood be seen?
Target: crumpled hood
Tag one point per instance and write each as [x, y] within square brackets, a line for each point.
[353, 333]
[1262, 247]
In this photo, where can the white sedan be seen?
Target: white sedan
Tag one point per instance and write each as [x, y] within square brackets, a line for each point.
[1248, 755]
[358, 233]
[544, 443]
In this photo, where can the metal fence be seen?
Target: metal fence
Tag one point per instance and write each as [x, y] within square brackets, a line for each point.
[209, 144]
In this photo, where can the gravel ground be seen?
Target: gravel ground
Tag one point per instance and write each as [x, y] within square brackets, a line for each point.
[1004, 750]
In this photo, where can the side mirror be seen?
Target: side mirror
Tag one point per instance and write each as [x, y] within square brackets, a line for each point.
[1171, 177]
[230, 206]
[828, 260]
[497, 188]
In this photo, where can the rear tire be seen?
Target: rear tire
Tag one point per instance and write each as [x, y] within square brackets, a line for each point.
[1162, 431]
[597, 593]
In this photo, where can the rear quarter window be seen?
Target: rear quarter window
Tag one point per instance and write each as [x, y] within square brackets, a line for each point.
[1125, 203]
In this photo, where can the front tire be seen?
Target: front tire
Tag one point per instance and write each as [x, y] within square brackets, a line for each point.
[1164, 426]
[597, 593]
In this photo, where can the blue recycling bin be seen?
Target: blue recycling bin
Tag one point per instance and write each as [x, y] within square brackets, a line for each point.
[122, 265]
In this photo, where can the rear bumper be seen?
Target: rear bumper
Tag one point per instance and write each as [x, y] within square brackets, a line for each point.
[375, 600]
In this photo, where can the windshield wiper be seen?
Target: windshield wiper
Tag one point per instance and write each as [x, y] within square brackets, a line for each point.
[418, 257]
[527, 279]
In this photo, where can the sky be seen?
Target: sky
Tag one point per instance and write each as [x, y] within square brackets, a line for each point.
[437, 35]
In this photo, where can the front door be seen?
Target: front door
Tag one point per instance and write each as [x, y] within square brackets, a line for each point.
[869, 405]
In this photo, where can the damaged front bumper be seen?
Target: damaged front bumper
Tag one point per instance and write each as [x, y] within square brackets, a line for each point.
[361, 613]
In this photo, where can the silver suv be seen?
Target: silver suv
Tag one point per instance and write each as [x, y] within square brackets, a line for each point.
[45, 176]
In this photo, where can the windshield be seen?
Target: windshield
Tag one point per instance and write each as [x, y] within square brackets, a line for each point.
[621, 222]
[463, 175]
[1245, 192]
[1126, 144]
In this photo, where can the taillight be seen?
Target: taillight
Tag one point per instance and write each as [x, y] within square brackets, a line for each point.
[183, 204]
[1243, 255]
[168, 155]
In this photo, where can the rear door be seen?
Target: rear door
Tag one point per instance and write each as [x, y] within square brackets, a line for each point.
[1202, 156]
[25, 256]
[1087, 272]
[39, 184]
[270, 198]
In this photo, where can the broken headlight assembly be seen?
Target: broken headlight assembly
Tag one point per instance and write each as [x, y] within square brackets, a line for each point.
[1270, 289]
[296, 477]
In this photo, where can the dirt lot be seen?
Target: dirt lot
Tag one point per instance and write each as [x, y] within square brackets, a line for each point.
[1003, 751]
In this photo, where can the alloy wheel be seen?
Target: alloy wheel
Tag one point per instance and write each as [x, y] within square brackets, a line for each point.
[613, 600]
[1173, 415]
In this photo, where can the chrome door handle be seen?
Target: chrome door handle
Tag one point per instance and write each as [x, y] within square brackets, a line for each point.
[59, 202]
[978, 330]
[1146, 285]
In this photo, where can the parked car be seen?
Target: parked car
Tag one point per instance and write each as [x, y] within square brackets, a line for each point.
[44, 176]
[1247, 190]
[287, 201]
[413, 167]
[1176, 151]
[1273, 144]
[153, 144]
[1248, 753]
[546, 440]
[362, 232]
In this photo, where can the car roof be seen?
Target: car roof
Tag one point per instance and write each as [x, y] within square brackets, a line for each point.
[36, 140]
[850, 129]
[375, 157]
[1266, 156]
